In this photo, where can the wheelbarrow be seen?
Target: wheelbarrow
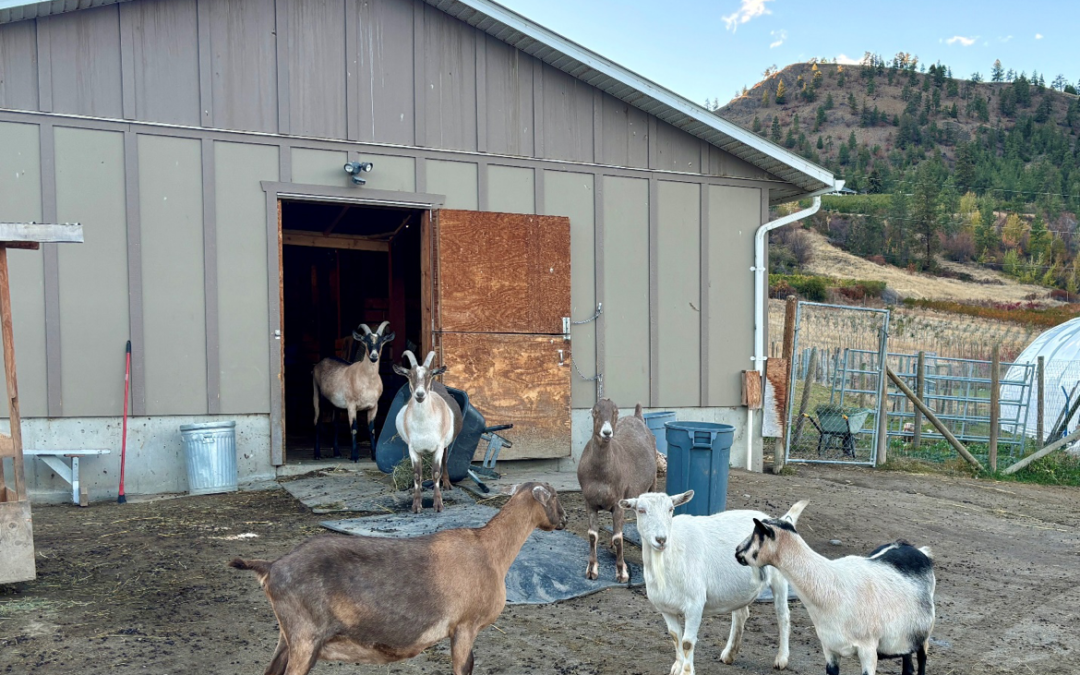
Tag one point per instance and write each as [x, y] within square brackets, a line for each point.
[391, 448]
[836, 423]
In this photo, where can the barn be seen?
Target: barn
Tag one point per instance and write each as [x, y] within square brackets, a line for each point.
[552, 224]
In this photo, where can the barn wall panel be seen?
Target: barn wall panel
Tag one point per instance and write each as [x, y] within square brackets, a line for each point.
[510, 189]
[18, 66]
[626, 289]
[166, 60]
[243, 313]
[320, 167]
[94, 274]
[679, 287]
[385, 70]
[625, 132]
[84, 51]
[573, 195]
[317, 74]
[20, 201]
[450, 82]
[676, 150]
[244, 64]
[734, 214]
[568, 117]
[508, 99]
[456, 180]
[390, 173]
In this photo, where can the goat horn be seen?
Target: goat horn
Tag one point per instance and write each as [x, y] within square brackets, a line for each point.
[429, 359]
[364, 327]
[412, 359]
[382, 327]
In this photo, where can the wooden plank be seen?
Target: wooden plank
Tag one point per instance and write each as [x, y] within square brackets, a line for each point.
[1060, 443]
[7, 334]
[44, 233]
[7, 446]
[515, 379]
[17, 553]
[775, 401]
[751, 389]
[503, 273]
[353, 243]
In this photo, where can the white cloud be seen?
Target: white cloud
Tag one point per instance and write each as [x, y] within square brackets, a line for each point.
[844, 59]
[1038, 36]
[749, 9]
[1005, 39]
[963, 41]
[779, 35]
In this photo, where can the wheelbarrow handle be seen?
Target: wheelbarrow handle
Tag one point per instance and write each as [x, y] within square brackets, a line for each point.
[498, 427]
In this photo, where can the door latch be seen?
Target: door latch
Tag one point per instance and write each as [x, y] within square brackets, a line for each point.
[562, 359]
[566, 327]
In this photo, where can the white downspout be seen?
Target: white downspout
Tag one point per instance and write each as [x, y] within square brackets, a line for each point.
[761, 244]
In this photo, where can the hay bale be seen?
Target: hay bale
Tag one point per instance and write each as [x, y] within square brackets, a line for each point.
[402, 476]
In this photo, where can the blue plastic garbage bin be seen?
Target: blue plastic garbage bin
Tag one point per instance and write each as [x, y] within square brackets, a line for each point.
[699, 454]
[656, 421]
[210, 448]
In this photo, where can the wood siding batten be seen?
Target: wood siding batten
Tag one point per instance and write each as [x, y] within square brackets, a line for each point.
[206, 64]
[210, 279]
[654, 158]
[273, 261]
[285, 163]
[281, 17]
[538, 109]
[539, 207]
[51, 271]
[419, 77]
[598, 126]
[703, 247]
[654, 291]
[44, 68]
[127, 61]
[135, 270]
[420, 174]
[482, 182]
[352, 70]
[481, 93]
[598, 274]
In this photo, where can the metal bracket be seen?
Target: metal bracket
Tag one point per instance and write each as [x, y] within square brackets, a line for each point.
[566, 328]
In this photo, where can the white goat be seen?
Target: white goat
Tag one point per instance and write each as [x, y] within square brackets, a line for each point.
[878, 606]
[428, 423]
[689, 573]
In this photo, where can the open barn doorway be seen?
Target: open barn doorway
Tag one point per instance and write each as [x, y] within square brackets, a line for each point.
[344, 265]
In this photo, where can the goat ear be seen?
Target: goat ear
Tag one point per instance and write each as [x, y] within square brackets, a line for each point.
[439, 371]
[541, 494]
[357, 336]
[764, 529]
[404, 372]
[388, 338]
[628, 503]
[679, 500]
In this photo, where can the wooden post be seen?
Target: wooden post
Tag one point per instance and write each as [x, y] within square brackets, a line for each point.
[1071, 438]
[788, 353]
[995, 398]
[8, 336]
[920, 386]
[807, 384]
[883, 423]
[932, 418]
[1040, 373]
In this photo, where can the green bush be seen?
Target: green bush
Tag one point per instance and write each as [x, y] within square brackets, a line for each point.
[815, 289]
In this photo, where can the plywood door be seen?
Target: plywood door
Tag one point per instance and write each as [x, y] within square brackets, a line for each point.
[502, 288]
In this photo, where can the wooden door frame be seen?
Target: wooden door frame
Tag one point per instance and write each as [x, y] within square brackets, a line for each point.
[276, 192]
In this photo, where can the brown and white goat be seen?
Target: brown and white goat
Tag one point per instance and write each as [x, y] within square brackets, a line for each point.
[619, 462]
[379, 600]
[429, 423]
[352, 386]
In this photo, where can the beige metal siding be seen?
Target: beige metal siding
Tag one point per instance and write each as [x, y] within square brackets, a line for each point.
[384, 59]
[734, 214]
[509, 99]
[20, 201]
[18, 66]
[676, 150]
[572, 195]
[243, 315]
[174, 307]
[679, 288]
[165, 54]
[84, 51]
[625, 132]
[317, 68]
[94, 274]
[568, 117]
[626, 290]
[320, 167]
[244, 64]
[511, 189]
[455, 180]
[449, 105]
[390, 173]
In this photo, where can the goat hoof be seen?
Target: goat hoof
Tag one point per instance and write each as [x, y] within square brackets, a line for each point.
[417, 506]
[592, 572]
[780, 663]
[727, 657]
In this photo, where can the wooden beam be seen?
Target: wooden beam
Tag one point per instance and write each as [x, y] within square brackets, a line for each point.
[7, 333]
[41, 233]
[351, 242]
[1061, 443]
[932, 418]
[337, 220]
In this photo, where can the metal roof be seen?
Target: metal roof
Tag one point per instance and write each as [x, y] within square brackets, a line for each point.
[804, 176]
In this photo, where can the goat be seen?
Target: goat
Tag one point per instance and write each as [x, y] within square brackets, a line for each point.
[619, 462]
[881, 605]
[429, 424]
[689, 573]
[352, 386]
[379, 600]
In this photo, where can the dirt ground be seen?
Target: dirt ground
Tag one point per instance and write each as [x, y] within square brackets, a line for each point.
[144, 587]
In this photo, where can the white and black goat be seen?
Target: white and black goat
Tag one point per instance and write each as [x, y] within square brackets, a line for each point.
[689, 573]
[353, 387]
[878, 606]
[429, 423]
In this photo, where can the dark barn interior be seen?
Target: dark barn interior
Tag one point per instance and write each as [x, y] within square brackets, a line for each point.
[344, 265]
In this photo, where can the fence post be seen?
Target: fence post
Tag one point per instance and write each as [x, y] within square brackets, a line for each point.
[788, 354]
[883, 421]
[1041, 375]
[920, 383]
[995, 397]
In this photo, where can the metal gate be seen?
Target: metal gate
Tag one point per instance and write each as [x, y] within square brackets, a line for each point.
[837, 375]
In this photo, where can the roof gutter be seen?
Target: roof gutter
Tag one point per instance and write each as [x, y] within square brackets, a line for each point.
[759, 269]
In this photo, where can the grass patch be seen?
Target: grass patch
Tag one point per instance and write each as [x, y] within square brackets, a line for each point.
[1057, 468]
[1025, 313]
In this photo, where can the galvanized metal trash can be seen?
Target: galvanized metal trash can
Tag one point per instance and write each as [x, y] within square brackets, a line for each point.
[656, 421]
[699, 456]
[210, 449]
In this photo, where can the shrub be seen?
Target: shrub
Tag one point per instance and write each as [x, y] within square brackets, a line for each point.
[815, 289]
[960, 246]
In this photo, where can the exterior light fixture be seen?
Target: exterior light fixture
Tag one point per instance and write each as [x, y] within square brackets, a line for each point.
[354, 169]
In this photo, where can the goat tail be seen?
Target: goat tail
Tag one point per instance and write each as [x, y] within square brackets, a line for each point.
[637, 412]
[792, 516]
[260, 567]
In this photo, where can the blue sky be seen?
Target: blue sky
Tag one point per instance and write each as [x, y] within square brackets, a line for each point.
[711, 48]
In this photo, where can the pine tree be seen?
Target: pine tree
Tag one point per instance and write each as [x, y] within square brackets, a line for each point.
[852, 141]
[819, 118]
[815, 80]
[774, 133]
[781, 93]
[789, 140]
[829, 105]
[1013, 231]
[926, 210]
[764, 97]
[997, 73]
[853, 105]
[757, 125]
[820, 145]
[1039, 236]
[795, 123]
